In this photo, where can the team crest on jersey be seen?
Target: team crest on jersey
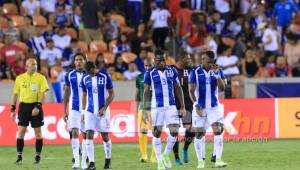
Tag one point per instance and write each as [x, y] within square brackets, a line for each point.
[170, 73]
[185, 73]
[100, 80]
[95, 89]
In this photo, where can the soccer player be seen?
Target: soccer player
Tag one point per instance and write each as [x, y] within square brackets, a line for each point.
[142, 126]
[164, 83]
[185, 65]
[95, 102]
[30, 87]
[73, 96]
[203, 86]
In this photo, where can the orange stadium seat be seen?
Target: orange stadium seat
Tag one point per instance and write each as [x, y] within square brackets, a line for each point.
[54, 72]
[151, 55]
[18, 21]
[91, 56]
[3, 23]
[128, 57]
[83, 46]
[170, 61]
[72, 33]
[111, 45]
[1, 45]
[22, 45]
[109, 58]
[39, 21]
[119, 19]
[98, 46]
[10, 9]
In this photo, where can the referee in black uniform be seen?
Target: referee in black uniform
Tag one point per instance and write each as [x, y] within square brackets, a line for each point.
[30, 88]
[185, 65]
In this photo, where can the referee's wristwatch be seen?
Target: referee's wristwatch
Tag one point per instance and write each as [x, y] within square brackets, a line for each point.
[12, 108]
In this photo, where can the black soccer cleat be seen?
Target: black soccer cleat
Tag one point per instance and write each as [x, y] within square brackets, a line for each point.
[213, 158]
[107, 164]
[37, 159]
[19, 160]
[91, 166]
[73, 160]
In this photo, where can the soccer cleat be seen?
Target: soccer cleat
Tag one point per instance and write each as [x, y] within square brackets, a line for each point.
[143, 160]
[167, 161]
[201, 164]
[76, 166]
[213, 158]
[220, 164]
[37, 159]
[19, 160]
[91, 166]
[107, 164]
[178, 162]
[160, 166]
[185, 156]
[83, 166]
[152, 160]
[73, 160]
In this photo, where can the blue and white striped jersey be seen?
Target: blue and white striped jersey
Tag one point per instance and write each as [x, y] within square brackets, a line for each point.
[72, 80]
[96, 88]
[206, 87]
[162, 84]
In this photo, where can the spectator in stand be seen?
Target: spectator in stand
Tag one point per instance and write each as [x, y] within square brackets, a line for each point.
[68, 55]
[141, 40]
[296, 70]
[228, 62]
[224, 8]
[67, 4]
[28, 31]
[47, 7]
[292, 50]
[216, 24]
[49, 33]
[60, 18]
[183, 22]
[283, 13]
[173, 7]
[11, 30]
[100, 63]
[8, 53]
[139, 61]
[269, 63]
[132, 72]
[159, 21]
[235, 26]
[51, 55]
[92, 17]
[120, 65]
[281, 69]
[115, 76]
[37, 43]
[246, 6]
[122, 45]
[62, 39]
[198, 5]
[250, 64]
[77, 19]
[111, 28]
[31, 7]
[134, 12]
[211, 41]
[258, 16]
[18, 67]
[270, 39]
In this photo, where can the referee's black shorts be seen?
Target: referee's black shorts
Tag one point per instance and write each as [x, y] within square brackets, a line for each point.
[25, 116]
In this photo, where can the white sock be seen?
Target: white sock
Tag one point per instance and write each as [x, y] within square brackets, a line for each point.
[107, 149]
[170, 143]
[218, 144]
[203, 147]
[157, 148]
[90, 149]
[214, 151]
[84, 152]
[75, 147]
[198, 144]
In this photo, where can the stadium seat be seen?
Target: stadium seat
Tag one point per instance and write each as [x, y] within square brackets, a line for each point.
[10, 9]
[22, 45]
[128, 57]
[54, 72]
[39, 21]
[98, 46]
[91, 56]
[83, 46]
[3, 23]
[170, 61]
[119, 19]
[111, 45]
[18, 21]
[1, 45]
[151, 55]
[72, 33]
[109, 58]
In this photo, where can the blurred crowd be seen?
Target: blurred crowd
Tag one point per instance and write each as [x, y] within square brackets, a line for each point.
[251, 38]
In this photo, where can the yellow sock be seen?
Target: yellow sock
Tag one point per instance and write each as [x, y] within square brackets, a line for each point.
[153, 156]
[143, 145]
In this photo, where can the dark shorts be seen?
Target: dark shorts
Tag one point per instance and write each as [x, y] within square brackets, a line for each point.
[25, 116]
[187, 120]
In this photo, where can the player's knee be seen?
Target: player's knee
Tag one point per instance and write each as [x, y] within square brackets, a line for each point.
[90, 134]
[174, 134]
[143, 131]
[75, 133]
[200, 134]
[105, 137]
[218, 128]
[156, 132]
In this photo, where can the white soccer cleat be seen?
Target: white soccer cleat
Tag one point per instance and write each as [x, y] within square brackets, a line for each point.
[167, 161]
[220, 164]
[76, 166]
[84, 166]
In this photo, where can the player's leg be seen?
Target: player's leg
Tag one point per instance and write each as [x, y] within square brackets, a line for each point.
[90, 123]
[84, 152]
[107, 149]
[218, 143]
[158, 146]
[171, 140]
[149, 127]
[38, 144]
[176, 153]
[142, 137]
[188, 139]
[20, 143]
[74, 125]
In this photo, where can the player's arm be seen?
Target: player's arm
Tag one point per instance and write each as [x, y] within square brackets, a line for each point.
[179, 93]
[137, 98]
[111, 96]
[66, 101]
[42, 93]
[146, 98]
[192, 88]
[221, 84]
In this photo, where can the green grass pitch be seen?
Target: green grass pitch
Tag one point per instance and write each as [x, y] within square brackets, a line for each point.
[267, 154]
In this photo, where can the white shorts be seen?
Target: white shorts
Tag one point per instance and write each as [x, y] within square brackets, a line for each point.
[165, 116]
[210, 116]
[74, 121]
[93, 121]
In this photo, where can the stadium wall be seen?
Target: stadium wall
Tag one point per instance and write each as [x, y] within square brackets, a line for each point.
[244, 119]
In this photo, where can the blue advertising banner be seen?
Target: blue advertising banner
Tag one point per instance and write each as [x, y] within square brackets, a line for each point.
[271, 90]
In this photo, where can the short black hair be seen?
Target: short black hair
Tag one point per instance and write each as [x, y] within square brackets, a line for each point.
[49, 40]
[89, 66]
[80, 54]
[183, 4]
[159, 53]
[210, 54]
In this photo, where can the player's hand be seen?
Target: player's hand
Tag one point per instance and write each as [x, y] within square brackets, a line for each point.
[182, 112]
[215, 68]
[35, 111]
[13, 115]
[65, 117]
[145, 117]
[199, 111]
[102, 111]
